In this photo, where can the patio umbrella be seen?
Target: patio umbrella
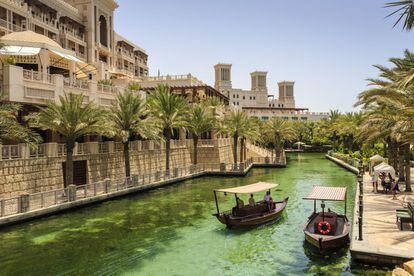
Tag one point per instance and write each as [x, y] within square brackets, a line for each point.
[375, 159]
[384, 168]
[299, 144]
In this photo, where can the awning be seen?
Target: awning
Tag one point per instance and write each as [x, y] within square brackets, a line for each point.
[31, 43]
[66, 56]
[384, 168]
[30, 39]
[249, 189]
[19, 51]
[327, 193]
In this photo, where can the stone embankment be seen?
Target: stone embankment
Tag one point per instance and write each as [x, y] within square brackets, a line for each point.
[407, 269]
[376, 238]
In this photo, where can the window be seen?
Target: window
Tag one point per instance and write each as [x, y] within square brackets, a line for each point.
[285, 118]
[304, 118]
[254, 98]
[269, 105]
[234, 96]
[265, 118]
[294, 118]
[237, 96]
[243, 97]
[250, 97]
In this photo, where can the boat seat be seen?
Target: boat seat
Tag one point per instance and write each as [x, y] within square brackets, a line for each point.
[250, 210]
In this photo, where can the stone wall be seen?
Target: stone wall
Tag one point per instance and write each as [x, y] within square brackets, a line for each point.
[33, 175]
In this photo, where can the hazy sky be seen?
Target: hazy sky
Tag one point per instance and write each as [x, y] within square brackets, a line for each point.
[327, 46]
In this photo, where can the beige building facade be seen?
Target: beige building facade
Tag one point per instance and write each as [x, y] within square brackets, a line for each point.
[84, 27]
[257, 101]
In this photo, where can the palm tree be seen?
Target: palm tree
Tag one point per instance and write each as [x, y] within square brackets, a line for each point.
[171, 111]
[11, 129]
[250, 132]
[73, 120]
[129, 117]
[405, 11]
[389, 108]
[200, 120]
[279, 130]
[234, 124]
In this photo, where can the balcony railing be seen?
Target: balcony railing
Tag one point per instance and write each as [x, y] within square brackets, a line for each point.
[58, 150]
[103, 88]
[75, 83]
[37, 76]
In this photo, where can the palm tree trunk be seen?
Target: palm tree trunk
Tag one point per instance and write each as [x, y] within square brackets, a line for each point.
[407, 168]
[235, 139]
[241, 149]
[126, 159]
[195, 143]
[395, 155]
[70, 144]
[167, 150]
[245, 150]
[401, 172]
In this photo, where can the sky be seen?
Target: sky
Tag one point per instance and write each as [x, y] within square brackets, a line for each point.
[327, 47]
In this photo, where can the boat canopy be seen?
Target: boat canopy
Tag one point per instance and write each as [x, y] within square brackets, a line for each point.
[249, 189]
[327, 193]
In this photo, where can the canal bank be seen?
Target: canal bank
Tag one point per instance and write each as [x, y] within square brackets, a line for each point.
[379, 241]
[32, 206]
[171, 230]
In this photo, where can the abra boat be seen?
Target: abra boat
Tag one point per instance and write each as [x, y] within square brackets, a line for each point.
[327, 230]
[261, 212]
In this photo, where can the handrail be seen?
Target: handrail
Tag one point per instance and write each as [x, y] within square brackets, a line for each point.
[40, 200]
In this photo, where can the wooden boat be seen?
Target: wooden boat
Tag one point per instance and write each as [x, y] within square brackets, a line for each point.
[261, 212]
[327, 230]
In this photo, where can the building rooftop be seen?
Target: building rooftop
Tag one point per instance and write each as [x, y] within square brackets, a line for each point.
[119, 37]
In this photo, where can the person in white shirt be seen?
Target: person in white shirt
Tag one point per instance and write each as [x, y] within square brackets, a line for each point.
[374, 180]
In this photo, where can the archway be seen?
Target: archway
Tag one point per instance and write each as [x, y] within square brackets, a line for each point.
[103, 30]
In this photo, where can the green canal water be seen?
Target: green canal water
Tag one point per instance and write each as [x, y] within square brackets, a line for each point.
[171, 231]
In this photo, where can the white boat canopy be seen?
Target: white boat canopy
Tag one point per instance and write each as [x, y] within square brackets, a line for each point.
[249, 189]
[327, 193]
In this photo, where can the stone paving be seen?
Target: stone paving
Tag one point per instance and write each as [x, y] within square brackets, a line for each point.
[381, 234]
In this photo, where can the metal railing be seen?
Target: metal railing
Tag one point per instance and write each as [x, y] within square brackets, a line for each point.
[37, 201]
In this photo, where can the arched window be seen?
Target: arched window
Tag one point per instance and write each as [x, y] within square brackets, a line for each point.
[103, 30]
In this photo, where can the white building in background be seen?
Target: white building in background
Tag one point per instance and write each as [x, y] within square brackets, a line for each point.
[257, 102]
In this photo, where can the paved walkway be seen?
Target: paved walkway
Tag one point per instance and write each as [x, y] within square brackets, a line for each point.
[381, 234]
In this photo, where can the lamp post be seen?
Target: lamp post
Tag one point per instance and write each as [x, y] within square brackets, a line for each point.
[360, 176]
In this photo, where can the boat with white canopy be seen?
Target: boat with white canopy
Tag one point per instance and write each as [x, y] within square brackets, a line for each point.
[327, 230]
[247, 215]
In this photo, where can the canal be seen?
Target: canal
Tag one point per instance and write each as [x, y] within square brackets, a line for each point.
[171, 231]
